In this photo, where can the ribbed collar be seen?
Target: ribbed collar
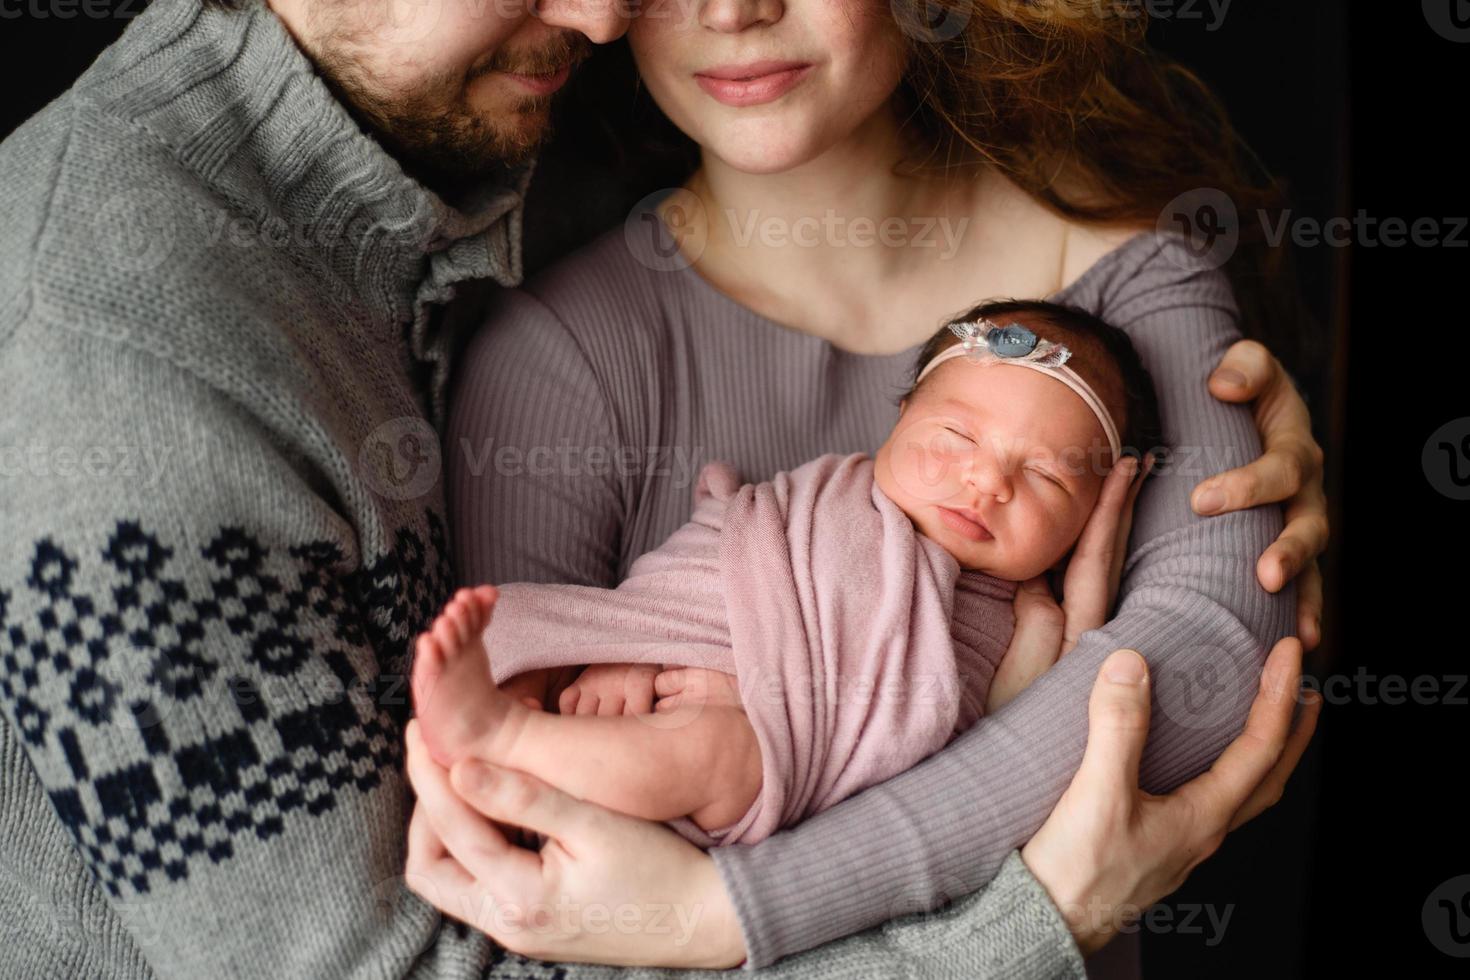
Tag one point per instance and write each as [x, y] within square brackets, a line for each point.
[234, 97]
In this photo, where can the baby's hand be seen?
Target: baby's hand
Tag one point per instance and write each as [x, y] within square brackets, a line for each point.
[610, 689]
[696, 685]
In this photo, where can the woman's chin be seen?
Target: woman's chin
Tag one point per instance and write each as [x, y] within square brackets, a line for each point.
[761, 153]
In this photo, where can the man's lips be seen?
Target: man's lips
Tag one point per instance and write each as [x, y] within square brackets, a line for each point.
[542, 84]
[966, 522]
[752, 83]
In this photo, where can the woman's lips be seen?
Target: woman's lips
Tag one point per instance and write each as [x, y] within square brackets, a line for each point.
[961, 524]
[752, 84]
[543, 84]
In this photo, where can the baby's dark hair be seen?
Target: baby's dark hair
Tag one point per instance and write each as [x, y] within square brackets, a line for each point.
[1102, 355]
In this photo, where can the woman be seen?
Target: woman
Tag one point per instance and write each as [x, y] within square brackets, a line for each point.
[713, 329]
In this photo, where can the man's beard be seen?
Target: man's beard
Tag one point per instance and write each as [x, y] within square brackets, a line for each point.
[435, 134]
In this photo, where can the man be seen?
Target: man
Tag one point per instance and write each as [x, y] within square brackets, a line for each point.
[226, 259]
[223, 365]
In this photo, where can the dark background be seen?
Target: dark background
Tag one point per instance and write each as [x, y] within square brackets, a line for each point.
[1358, 107]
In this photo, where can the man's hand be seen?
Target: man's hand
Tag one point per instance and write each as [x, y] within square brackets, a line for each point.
[554, 904]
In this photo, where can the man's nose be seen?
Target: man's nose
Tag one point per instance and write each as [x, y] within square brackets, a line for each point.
[600, 20]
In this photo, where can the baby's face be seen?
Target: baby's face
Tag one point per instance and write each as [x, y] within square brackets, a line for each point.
[1001, 465]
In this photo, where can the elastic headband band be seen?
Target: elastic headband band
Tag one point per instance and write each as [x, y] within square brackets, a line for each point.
[987, 343]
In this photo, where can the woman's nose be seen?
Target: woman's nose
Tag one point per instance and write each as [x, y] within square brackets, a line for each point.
[733, 16]
[601, 20]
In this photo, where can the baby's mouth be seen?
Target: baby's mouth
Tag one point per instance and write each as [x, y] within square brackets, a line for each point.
[966, 523]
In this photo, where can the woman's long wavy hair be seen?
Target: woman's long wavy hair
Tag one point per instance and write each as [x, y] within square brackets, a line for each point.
[1064, 97]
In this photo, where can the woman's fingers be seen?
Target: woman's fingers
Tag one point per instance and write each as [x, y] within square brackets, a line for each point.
[1086, 592]
[1291, 459]
[1278, 474]
[1301, 540]
[1213, 798]
[1244, 373]
[1309, 606]
[1036, 643]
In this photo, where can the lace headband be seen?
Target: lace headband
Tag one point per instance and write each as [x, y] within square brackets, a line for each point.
[988, 343]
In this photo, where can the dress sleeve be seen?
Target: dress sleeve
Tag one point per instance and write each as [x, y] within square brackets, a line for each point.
[532, 458]
[1188, 601]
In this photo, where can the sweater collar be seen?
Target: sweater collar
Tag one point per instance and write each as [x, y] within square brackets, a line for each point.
[230, 93]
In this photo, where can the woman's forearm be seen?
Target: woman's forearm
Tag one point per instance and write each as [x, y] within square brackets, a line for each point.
[1008, 930]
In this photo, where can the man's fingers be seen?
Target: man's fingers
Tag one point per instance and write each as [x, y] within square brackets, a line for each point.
[512, 796]
[424, 846]
[1270, 791]
[1216, 795]
[1117, 719]
[482, 850]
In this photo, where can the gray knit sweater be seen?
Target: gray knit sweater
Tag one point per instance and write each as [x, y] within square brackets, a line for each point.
[221, 380]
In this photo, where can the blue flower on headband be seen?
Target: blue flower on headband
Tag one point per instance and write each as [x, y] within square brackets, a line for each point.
[984, 340]
[1011, 340]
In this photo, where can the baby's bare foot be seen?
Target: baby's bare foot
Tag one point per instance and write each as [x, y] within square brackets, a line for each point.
[460, 710]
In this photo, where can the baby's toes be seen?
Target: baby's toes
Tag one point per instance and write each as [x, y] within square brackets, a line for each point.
[461, 612]
[587, 704]
[428, 664]
[445, 633]
[567, 703]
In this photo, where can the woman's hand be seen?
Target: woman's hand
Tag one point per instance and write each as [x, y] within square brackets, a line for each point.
[605, 887]
[1289, 469]
[1109, 850]
[1044, 630]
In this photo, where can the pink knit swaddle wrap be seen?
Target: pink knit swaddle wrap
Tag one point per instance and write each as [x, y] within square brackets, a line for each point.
[859, 646]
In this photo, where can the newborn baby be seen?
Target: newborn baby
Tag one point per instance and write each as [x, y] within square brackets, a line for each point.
[803, 638]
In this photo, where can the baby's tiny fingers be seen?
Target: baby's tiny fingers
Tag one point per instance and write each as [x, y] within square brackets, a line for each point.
[670, 681]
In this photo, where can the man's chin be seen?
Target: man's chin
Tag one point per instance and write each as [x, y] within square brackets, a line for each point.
[470, 154]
